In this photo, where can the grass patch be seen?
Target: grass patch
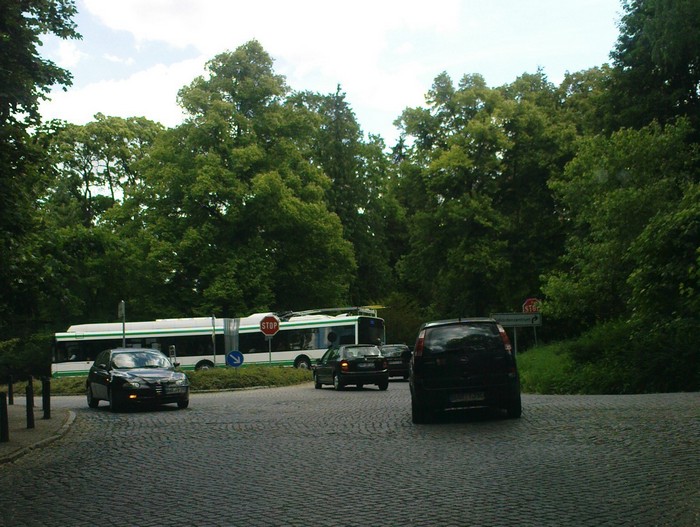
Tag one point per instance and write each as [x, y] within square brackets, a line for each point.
[200, 381]
[246, 377]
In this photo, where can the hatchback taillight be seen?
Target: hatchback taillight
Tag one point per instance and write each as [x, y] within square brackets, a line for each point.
[505, 339]
[420, 343]
[344, 365]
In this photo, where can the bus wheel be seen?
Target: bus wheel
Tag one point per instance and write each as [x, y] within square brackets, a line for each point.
[303, 362]
[204, 365]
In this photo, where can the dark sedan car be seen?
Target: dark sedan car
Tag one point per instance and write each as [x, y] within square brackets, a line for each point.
[133, 375]
[398, 357]
[357, 364]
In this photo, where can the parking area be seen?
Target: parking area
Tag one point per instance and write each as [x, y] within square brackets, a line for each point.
[300, 456]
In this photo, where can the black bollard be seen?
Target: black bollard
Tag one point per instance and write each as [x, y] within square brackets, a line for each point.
[46, 397]
[4, 420]
[10, 395]
[30, 403]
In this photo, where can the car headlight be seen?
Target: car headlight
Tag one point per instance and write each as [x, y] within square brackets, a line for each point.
[132, 384]
[181, 380]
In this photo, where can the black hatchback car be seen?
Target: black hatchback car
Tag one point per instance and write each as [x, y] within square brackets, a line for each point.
[460, 364]
[357, 364]
[398, 357]
[135, 375]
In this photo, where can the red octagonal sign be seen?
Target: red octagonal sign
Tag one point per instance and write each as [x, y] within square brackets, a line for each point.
[270, 325]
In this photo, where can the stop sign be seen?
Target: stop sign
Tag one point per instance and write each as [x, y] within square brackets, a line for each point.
[270, 325]
[532, 305]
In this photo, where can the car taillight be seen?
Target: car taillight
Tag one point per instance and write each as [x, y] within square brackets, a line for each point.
[418, 350]
[344, 365]
[505, 339]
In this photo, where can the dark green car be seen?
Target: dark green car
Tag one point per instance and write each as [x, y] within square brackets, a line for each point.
[460, 364]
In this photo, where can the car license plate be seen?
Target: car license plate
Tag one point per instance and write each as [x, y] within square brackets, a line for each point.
[394, 362]
[365, 365]
[466, 397]
[174, 389]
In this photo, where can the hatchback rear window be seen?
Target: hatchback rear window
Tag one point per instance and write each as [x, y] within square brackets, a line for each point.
[463, 337]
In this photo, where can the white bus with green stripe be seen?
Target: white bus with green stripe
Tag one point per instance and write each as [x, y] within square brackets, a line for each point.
[203, 342]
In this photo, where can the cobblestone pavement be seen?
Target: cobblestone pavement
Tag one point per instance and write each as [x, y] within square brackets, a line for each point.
[304, 457]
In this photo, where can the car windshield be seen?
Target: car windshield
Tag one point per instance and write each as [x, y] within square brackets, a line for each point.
[361, 351]
[393, 351]
[140, 359]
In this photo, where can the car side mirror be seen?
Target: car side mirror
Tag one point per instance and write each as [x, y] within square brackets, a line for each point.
[102, 366]
[176, 364]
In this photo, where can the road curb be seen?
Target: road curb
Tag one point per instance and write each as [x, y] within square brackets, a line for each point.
[70, 418]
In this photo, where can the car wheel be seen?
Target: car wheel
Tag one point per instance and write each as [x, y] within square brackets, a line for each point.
[336, 382]
[183, 404]
[360, 386]
[515, 408]
[91, 400]
[317, 383]
[383, 385]
[114, 404]
[419, 414]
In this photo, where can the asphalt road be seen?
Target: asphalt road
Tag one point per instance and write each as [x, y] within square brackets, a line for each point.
[304, 457]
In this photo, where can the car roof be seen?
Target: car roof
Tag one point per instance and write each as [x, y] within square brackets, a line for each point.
[468, 320]
[122, 350]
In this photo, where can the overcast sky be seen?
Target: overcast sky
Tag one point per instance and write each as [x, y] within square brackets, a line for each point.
[136, 54]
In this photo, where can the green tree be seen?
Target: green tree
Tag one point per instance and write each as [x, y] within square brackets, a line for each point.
[542, 142]
[609, 195]
[233, 206]
[86, 253]
[358, 172]
[656, 62]
[451, 177]
[25, 78]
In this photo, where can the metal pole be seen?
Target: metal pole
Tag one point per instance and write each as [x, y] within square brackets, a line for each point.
[10, 391]
[4, 420]
[213, 336]
[122, 311]
[46, 397]
[30, 402]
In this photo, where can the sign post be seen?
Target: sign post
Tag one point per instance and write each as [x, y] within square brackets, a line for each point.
[518, 320]
[121, 313]
[532, 305]
[269, 325]
[234, 358]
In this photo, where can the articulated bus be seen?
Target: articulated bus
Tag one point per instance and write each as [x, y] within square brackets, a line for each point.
[204, 342]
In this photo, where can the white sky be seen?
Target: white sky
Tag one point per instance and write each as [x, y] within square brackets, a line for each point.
[136, 54]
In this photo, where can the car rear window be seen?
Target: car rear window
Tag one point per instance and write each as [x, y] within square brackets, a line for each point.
[393, 351]
[477, 337]
[363, 351]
